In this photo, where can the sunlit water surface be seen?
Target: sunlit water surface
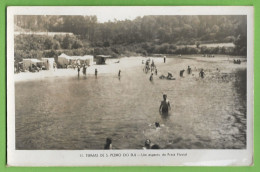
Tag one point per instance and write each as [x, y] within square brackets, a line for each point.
[79, 113]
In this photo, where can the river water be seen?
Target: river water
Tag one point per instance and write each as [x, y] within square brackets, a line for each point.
[71, 113]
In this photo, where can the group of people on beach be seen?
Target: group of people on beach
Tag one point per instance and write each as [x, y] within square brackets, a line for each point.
[237, 61]
[84, 70]
[169, 76]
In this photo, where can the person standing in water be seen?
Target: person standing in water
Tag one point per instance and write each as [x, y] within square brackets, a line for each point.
[165, 105]
[108, 144]
[96, 72]
[202, 73]
[189, 70]
[164, 59]
[119, 73]
[84, 69]
[78, 70]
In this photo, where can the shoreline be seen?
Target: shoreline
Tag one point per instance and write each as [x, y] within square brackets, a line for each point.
[111, 67]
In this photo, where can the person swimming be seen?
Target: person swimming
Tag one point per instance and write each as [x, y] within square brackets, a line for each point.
[157, 124]
[108, 144]
[169, 76]
[181, 73]
[165, 105]
[147, 144]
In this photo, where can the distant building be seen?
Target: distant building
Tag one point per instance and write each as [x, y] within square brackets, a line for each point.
[101, 59]
[51, 34]
[65, 60]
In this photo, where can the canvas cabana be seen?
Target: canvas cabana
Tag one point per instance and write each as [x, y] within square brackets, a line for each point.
[65, 60]
[101, 59]
[87, 59]
[30, 62]
[48, 63]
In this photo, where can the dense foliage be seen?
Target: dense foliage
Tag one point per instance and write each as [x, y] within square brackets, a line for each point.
[144, 35]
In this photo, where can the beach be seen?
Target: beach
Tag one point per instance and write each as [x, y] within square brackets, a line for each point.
[111, 67]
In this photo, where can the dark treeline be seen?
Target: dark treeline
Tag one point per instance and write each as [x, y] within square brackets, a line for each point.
[143, 35]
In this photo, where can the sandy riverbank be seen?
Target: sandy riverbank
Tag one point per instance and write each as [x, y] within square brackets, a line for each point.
[111, 67]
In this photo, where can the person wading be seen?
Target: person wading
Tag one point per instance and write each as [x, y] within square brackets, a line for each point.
[165, 105]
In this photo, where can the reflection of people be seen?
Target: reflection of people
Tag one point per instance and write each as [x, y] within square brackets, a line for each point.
[165, 105]
[108, 144]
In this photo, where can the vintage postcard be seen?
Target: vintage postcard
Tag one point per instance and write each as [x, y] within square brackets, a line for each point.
[130, 86]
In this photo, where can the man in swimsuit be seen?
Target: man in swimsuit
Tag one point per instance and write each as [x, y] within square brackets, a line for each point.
[202, 73]
[189, 70]
[165, 105]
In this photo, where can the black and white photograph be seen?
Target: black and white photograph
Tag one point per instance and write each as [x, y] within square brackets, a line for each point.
[134, 79]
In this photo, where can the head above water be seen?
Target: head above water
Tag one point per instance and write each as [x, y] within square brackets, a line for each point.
[164, 96]
[147, 142]
[108, 140]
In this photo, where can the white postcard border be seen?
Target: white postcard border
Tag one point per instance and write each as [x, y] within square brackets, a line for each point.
[201, 157]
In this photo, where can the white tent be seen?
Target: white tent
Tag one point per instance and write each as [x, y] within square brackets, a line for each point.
[29, 62]
[65, 60]
[48, 63]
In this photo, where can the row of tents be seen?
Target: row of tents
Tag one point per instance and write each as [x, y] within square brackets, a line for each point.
[64, 61]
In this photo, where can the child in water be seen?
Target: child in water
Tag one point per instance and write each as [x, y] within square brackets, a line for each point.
[151, 77]
[165, 105]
